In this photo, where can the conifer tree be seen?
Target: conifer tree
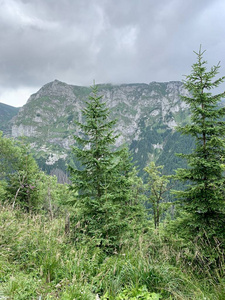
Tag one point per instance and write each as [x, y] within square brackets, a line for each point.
[203, 197]
[101, 181]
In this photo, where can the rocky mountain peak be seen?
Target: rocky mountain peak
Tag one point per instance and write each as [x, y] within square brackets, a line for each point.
[142, 110]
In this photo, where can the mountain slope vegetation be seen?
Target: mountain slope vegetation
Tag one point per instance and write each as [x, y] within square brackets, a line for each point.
[146, 114]
[7, 112]
[106, 234]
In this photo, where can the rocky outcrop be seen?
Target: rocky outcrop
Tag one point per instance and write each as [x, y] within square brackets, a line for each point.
[23, 130]
[48, 116]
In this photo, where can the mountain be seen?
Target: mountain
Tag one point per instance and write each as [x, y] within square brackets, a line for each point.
[7, 112]
[147, 115]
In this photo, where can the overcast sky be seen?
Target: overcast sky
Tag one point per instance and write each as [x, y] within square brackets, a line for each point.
[111, 41]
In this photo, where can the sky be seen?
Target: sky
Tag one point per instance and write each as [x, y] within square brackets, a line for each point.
[109, 41]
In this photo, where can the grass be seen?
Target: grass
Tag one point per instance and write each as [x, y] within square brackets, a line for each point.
[38, 259]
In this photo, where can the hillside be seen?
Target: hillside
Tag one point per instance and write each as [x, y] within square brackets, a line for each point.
[7, 112]
[147, 115]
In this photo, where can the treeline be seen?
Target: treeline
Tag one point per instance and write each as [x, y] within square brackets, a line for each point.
[108, 235]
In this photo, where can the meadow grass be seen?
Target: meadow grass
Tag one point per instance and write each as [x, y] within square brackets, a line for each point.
[38, 261]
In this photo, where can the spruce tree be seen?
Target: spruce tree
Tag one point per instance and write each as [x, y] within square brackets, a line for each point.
[103, 209]
[203, 197]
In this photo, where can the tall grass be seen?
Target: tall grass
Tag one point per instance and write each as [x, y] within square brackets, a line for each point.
[38, 260]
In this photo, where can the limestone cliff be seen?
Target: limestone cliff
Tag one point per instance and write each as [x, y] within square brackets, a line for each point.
[146, 114]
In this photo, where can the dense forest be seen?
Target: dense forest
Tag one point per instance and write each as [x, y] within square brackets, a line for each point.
[109, 233]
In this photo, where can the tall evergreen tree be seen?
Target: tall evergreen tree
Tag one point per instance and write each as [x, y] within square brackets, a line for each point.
[101, 181]
[203, 197]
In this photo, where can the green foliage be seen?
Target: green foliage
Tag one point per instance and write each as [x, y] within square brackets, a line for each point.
[78, 292]
[38, 260]
[203, 198]
[135, 293]
[3, 191]
[157, 186]
[9, 156]
[151, 135]
[22, 184]
[7, 112]
[132, 260]
[20, 171]
[175, 143]
[21, 287]
[102, 182]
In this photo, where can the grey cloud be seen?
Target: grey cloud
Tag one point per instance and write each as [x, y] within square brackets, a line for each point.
[124, 41]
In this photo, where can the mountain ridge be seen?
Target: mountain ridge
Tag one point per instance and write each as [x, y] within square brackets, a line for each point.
[147, 115]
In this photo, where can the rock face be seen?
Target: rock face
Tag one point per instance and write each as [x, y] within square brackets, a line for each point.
[147, 114]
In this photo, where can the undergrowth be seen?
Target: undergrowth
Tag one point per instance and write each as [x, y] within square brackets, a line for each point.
[38, 261]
